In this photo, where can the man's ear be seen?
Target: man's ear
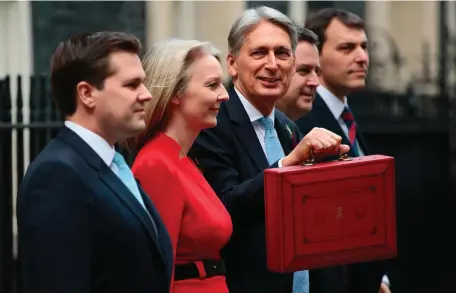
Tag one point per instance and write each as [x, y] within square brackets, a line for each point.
[85, 93]
[232, 66]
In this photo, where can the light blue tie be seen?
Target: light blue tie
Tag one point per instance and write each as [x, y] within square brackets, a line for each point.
[127, 177]
[274, 152]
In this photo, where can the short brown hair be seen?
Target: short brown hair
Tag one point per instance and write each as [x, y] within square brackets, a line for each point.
[85, 57]
[319, 22]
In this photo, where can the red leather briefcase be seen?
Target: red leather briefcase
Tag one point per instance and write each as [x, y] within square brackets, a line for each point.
[331, 213]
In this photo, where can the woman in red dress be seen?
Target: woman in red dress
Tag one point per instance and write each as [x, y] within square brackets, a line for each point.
[185, 80]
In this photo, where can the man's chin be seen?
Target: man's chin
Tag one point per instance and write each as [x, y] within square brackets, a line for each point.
[305, 105]
[357, 85]
[272, 94]
[138, 128]
[306, 108]
[306, 99]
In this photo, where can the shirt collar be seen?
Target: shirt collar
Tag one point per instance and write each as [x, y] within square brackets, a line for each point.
[96, 142]
[252, 112]
[335, 105]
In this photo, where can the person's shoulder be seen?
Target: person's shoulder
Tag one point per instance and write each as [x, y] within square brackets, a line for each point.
[308, 121]
[55, 166]
[283, 119]
[55, 154]
[159, 156]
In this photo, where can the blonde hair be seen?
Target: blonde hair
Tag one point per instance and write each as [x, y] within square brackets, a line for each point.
[166, 66]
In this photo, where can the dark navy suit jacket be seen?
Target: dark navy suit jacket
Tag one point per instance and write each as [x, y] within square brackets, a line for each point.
[232, 160]
[81, 230]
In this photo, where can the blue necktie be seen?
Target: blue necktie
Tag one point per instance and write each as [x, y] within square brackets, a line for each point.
[274, 152]
[127, 177]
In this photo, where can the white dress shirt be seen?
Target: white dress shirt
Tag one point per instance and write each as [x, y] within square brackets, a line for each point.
[96, 142]
[336, 107]
[254, 116]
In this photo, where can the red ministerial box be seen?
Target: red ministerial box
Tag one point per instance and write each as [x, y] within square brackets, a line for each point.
[330, 213]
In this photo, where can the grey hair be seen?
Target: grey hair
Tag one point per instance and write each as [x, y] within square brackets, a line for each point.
[250, 18]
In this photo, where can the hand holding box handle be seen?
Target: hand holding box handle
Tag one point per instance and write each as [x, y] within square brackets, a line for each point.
[319, 141]
[311, 160]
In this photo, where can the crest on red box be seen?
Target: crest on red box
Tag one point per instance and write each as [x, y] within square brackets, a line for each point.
[330, 213]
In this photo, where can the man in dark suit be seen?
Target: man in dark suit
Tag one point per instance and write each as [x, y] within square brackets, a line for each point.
[251, 136]
[344, 62]
[298, 100]
[84, 224]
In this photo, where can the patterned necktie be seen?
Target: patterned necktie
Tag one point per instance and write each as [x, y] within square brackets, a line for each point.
[274, 152]
[349, 120]
[127, 177]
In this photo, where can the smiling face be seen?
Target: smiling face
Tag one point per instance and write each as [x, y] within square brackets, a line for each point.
[299, 98]
[118, 105]
[200, 102]
[344, 59]
[263, 69]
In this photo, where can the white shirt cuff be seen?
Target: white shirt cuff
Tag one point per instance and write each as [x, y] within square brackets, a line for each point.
[280, 163]
[385, 280]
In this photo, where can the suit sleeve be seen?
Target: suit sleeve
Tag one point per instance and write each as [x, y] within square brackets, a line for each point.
[215, 154]
[166, 194]
[54, 221]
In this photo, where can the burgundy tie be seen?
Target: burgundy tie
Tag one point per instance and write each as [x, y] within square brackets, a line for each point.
[349, 120]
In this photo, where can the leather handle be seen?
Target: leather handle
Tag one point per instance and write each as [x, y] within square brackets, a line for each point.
[311, 160]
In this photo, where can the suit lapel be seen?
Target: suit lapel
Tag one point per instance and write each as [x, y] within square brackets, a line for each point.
[163, 236]
[328, 121]
[127, 198]
[110, 179]
[324, 115]
[284, 132]
[244, 130]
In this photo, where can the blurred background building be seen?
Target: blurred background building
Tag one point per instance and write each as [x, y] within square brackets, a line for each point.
[406, 110]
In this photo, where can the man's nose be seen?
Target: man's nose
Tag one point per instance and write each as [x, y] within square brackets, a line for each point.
[271, 62]
[361, 55]
[313, 80]
[145, 95]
